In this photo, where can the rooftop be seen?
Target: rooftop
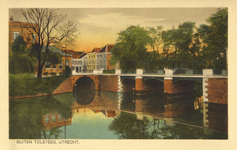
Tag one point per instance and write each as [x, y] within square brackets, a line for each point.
[56, 50]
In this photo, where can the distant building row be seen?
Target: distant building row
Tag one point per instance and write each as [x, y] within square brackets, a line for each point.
[98, 59]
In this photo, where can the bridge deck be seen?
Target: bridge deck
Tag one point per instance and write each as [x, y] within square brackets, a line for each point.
[154, 75]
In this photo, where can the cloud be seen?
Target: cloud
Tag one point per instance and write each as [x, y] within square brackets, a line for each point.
[118, 20]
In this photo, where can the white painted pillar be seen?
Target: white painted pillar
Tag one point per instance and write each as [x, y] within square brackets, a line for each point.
[139, 72]
[207, 73]
[118, 71]
[168, 74]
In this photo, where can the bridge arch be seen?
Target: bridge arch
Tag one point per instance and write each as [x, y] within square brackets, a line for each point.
[85, 83]
[153, 84]
[183, 86]
[128, 84]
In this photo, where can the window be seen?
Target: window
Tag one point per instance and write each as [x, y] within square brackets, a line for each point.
[46, 119]
[15, 35]
[47, 65]
[33, 38]
[60, 65]
[67, 62]
[60, 118]
[54, 66]
[53, 117]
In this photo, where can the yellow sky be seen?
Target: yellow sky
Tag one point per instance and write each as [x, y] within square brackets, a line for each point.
[100, 26]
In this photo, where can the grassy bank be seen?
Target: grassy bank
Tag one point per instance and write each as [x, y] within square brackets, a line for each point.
[25, 84]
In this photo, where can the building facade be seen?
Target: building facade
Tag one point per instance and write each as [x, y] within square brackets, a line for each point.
[103, 57]
[79, 64]
[91, 59]
[56, 69]
[22, 29]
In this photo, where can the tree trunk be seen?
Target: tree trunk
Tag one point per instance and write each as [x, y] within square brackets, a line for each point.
[39, 75]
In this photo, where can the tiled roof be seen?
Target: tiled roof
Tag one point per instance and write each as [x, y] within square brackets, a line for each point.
[96, 50]
[106, 48]
[56, 50]
[82, 55]
[74, 53]
[103, 49]
[110, 46]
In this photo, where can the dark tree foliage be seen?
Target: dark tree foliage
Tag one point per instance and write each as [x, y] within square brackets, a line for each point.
[19, 61]
[67, 71]
[131, 48]
[217, 40]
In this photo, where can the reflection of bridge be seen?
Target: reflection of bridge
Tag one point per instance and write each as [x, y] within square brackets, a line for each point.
[214, 86]
[112, 104]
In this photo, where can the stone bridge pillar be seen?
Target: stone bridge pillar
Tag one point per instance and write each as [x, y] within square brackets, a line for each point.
[138, 80]
[168, 83]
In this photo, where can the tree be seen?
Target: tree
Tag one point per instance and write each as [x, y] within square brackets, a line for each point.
[156, 35]
[46, 24]
[19, 61]
[169, 38]
[70, 37]
[18, 47]
[186, 45]
[217, 39]
[131, 48]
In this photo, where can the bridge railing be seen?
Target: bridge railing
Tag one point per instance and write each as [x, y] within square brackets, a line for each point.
[128, 72]
[168, 72]
[222, 72]
[186, 71]
[85, 71]
[108, 71]
[155, 72]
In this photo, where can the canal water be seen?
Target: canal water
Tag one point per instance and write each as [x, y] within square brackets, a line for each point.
[88, 114]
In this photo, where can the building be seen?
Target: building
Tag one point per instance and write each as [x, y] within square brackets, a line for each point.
[50, 69]
[91, 59]
[84, 61]
[23, 29]
[102, 58]
[79, 64]
[73, 53]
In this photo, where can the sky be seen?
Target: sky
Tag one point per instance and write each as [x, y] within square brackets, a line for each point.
[100, 26]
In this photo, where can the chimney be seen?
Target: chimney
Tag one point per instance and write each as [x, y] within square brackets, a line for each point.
[11, 18]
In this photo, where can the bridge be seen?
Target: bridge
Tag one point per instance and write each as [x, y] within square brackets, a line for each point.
[168, 81]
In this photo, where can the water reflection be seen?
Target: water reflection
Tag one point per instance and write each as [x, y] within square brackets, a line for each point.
[30, 118]
[88, 114]
[84, 97]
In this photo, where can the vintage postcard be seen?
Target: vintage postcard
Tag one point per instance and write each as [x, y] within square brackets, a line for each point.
[102, 75]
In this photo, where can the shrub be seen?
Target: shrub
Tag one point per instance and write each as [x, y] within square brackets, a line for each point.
[25, 84]
[67, 71]
[45, 73]
[53, 73]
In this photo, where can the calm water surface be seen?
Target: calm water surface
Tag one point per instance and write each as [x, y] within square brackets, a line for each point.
[107, 115]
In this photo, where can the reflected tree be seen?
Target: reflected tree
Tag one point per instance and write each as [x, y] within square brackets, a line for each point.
[126, 126]
[25, 116]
